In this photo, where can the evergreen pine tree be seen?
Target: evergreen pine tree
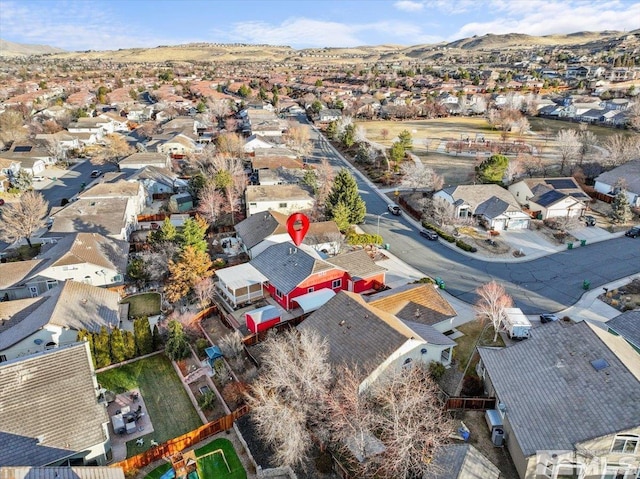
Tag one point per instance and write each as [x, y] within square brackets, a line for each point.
[157, 339]
[84, 335]
[129, 343]
[193, 234]
[167, 232]
[117, 346]
[177, 346]
[143, 337]
[345, 190]
[102, 348]
[620, 207]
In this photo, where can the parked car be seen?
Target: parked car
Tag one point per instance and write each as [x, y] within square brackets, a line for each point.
[548, 318]
[95, 173]
[429, 234]
[633, 232]
[394, 210]
[590, 220]
[38, 178]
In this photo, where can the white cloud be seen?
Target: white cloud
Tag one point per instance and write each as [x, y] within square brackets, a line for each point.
[408, 6]
[542, 17]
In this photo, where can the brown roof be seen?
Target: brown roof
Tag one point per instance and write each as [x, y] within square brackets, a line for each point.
[273, 162]
[16, 271]
[358, 263]
[118, 188]
[420, 303]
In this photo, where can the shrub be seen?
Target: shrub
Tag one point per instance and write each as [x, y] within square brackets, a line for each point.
[424, 280]
[201, 345]
[231, 344]
[207, 400]
[436, 370]
[465, 246]
[472, 386]
[363, 239]
[445, 236]
[324, 463]
[234, 393]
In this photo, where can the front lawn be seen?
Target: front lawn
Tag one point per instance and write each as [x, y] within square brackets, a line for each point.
[168, 404]
[212, 465]
[467, 344]
[145, 304]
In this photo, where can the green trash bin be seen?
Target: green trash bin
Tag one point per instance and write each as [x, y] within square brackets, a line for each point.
[586, 284]
[583, 242]
[569, 245]
[387, 246]
[442, 285]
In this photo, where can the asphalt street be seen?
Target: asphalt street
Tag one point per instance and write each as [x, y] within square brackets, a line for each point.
[551, 283]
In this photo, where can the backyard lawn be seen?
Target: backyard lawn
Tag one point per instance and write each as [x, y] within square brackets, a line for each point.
[212, 465]
[467, 343]
[145, 304]
[158, 471]
[169, 407]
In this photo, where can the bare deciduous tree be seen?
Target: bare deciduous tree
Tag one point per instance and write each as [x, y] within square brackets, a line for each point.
[22, 219]
[228, 176]
[633, 114]
[293, 384]
[297, 138]
[389, 413]
[230, 144]
[514, 169]
[438, 210]
[419, 176]
[115, 149]
[157, 261]
[12, 126]
[621, 149]
[360, 134]
[588, 142]
[568, 147]
[490, 306]
[210, 203]
[203, 290]
[231, 345]
[220, 110]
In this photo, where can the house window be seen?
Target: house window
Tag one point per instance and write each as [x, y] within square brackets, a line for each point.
[310, 290]
[625, 443]
[336, 283]
[407, 363]
[253, 204]
[117, 278]
[87, 280]
[618, 471]
[282, 205]
[278, 293]
[51, 283]
[423, 351]
[445, 355]
[3, 358]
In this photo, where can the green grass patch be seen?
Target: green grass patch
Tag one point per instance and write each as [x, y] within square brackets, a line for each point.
[466, 347]
[168, 404]
[158, 471]
[145, 304]
[213, 466]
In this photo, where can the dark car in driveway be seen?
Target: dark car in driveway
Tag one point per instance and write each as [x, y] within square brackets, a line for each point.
[633, 232]
[590, 220]
[429, 234]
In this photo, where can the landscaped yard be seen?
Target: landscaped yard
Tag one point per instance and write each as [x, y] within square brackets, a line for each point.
[145, 304]
[169, 407]
[212, 465]
[158, 471]
[467, 343]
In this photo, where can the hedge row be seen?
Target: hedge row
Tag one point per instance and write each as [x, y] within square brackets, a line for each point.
[363, 239]
[466, 246]
[442, 234]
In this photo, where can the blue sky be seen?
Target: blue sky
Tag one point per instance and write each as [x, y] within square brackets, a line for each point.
[114, 24]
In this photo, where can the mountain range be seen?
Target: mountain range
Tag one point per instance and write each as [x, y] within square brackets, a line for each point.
[580, 41]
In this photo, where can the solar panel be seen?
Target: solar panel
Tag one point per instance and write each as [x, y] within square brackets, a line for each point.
[599, 364]
[561, 184]
[22, 149]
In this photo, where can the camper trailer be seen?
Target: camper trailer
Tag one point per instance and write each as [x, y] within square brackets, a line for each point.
[516, 324]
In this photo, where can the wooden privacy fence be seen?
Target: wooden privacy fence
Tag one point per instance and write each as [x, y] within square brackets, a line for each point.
[601, 196]
[181, 443]
[474, 403]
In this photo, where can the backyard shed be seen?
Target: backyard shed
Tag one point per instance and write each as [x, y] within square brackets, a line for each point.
[213, 353]
[262, 318]
[181, 202]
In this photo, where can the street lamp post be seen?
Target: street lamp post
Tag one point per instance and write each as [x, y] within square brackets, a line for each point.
[379, 216]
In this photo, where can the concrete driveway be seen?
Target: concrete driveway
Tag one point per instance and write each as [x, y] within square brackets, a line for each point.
[592, 233]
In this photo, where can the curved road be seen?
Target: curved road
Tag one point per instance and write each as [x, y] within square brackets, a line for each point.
[551, 283]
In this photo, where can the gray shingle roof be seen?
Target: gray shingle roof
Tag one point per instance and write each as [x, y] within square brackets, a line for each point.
[630, 172]
[356, 332]
[358, 263]
[257, 227]
[287, 266]
[73, 305]
[48, 407]
[492, 208]
[627, 325]
[76, 472]
[429, 333]
[462, 461]
[554, 397]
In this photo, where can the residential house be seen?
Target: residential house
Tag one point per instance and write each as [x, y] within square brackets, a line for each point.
[89, 258]
[141, 159]
[258, 232]
[551, 197]
[60, 141]
[256, 141]
[272, 162]
[327, 115]
[158, 181]
[111, 217]
[53, 319]
[627, 325]
[629, 172]
[180, 202]
[285, 199]
[66, 472]
[280, 176]
[262, 122]
[492, 205]
[175, 144]
[288, 274]
[116, 187]
[49, 410]
[567, 397]
[359, 334]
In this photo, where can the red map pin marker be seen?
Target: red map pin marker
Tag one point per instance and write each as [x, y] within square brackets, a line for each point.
[297, 226]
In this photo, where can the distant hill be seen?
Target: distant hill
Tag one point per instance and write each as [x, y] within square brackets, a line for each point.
[580, 42]
[10, 49]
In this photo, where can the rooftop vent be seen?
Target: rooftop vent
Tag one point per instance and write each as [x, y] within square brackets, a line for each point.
[599, 364]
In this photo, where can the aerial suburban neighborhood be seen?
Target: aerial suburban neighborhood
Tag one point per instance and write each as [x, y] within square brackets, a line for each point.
[247, 260]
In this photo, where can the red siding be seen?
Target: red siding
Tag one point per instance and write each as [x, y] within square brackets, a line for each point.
[366, 284]
[256, 328]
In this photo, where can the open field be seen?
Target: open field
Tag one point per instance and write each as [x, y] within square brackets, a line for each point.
[169, 407]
